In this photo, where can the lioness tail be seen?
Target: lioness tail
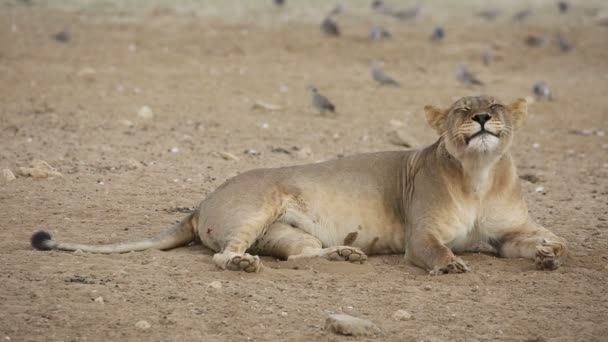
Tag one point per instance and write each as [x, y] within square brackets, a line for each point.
[178, 235]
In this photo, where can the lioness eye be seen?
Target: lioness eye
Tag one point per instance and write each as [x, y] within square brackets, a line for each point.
[462, 110]
[496, 106]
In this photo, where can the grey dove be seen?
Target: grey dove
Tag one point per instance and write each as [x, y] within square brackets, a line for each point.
[378, 32]
[465, 76]
[542, 91]
[320, 102]
[381, 77]
[329, 26]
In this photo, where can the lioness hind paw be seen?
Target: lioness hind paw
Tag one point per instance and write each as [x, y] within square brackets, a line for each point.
[545, 258]
[457, 266]
[239, 262]
[346, 253]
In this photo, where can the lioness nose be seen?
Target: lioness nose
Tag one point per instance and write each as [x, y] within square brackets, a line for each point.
[482, 118]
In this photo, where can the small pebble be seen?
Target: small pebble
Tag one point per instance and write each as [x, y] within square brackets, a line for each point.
[174, 150]
[540, 189]
[8, 175]
[535, 145]
[143, 325]
[226, 155]
[145, 112]
[99, 300]
[284, 314]
[215, 284]
[350, 326]
[427, 288]
[402, 315]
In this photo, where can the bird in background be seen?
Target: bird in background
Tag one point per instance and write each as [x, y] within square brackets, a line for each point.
[487, 56]
[62, 36]
[465, 76]
[279, 2]
[536, 41]
[522, 15]
[402, 14]
[563, 6]
[329, 25]
[438, 34]
[319, 102]
[542, 91]
[489, 14]
[378, 32]
[381, 77]
[563, 43]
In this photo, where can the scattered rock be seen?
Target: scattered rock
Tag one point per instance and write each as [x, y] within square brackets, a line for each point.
[99, 300]
[87, 73]
[174, 150]
[215, 284]
[350, 326]
[264, 105]
[395, 137]
[39, 169]
[8, 175]
[304, 152]
[126, 122]
[540, 189]
[530, 178]
[280, 150]
[226, 155]
[145, 112]
[143, 325]
[402, 315]
[252, 152]
[427, 288]
[588, 131]
[284, 314]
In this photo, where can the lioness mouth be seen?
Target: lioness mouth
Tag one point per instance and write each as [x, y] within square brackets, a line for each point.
[479, 133]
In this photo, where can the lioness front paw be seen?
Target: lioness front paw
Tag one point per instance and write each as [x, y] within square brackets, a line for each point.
[549, 255]
[238, 262]
[456, 266]
[346, 253]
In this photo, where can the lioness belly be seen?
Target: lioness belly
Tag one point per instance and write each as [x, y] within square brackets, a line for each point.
[347, 219]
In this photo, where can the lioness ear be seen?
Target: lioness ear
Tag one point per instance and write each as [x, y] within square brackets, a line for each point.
[519, 110]
[435, 117]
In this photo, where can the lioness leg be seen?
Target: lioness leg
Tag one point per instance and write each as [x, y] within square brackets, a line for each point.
[533, 242]
[426, 251]
[286, 242]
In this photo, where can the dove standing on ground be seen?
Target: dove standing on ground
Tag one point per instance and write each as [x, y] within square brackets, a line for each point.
[381, 77]
[535, 41]
[563, 43]
[62, 36]
[438, 34]
[489, 14]
[279, 2]
[320, 102]
[542, 91]
[465, 76]
[378, 32]
[487, 56]
[522, 15]
[563, 6]
[329, 26]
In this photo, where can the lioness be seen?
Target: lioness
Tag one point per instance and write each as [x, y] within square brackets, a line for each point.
[426, 203]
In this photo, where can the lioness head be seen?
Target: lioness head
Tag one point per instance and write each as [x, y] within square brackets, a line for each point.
[477, 125]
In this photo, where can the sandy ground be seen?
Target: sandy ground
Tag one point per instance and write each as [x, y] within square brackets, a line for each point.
[75, 105]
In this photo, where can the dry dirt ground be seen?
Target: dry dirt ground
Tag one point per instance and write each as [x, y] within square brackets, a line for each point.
[75, 105]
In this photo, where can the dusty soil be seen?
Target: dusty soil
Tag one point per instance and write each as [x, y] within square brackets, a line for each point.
[124, 176]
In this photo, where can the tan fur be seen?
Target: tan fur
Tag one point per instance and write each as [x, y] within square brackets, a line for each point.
[426, 203]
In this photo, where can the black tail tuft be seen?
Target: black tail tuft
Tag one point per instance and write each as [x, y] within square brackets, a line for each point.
[40, 240]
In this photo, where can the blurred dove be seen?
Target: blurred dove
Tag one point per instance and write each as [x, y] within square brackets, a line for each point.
[563, 43]
[378, 32]
[522, 15]
[438, 34]
[62, 36]
[465, 76]
[320, 102]
[487, 56]
[541, 90]
[535, 41]
[489, 14]
[329, 26]
[381, 77]
[279, 2]
[563, 6]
